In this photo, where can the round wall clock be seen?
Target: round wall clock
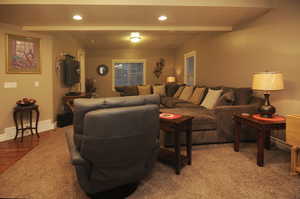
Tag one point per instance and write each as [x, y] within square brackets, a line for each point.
[102, 69]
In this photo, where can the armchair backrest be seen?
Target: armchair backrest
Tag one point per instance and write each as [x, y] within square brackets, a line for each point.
[83, 106]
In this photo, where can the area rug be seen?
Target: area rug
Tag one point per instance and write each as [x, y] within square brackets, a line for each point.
[217, 172]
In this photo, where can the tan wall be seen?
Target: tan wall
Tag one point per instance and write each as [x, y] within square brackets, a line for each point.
[270, 42]
[104, 83]
[62, 43]
[25, 87]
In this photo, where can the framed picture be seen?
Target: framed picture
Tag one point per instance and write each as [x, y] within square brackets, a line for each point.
[23, 55]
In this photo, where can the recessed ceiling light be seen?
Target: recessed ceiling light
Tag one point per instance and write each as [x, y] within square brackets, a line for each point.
[77, 17]
[162, 18]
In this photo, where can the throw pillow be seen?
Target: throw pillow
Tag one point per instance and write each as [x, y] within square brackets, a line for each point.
[159, 90]
[186, 93]
[226, 99]
[211, 98]
[144, 90]
[197, 96]
[178, 92]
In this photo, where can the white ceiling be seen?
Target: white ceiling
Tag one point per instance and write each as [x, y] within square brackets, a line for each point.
[179, 17]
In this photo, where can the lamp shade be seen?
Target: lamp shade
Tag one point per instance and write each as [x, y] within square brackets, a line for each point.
[267, 81]
[171, 79]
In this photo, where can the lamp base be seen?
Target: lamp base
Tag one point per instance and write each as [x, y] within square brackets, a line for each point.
[267, 110]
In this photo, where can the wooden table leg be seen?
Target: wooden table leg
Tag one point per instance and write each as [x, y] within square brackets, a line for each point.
[22, 126]
[16, 123]
[189, 142]
[237, 136]
[260, 148]
[177, 152]
[268, 139]
[37, 122]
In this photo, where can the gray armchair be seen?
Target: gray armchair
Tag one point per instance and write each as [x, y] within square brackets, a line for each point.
[115, 141]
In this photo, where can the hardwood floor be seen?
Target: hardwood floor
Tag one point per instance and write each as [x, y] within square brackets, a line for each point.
[13, 150]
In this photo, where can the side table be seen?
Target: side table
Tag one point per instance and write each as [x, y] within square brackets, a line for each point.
[176, 127]
[22, 114]
[263, 130]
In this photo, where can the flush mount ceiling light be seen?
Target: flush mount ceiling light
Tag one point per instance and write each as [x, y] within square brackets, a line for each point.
[77, 17]
[135, 37]
[162, 18]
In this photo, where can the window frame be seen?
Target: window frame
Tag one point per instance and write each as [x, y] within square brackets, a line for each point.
[114, 61]
[186, 56]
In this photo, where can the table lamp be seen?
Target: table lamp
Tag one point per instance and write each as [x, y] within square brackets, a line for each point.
[171, 79]
[267, 81]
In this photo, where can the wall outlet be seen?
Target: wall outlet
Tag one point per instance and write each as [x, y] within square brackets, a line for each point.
[10, 85]
[36, 84]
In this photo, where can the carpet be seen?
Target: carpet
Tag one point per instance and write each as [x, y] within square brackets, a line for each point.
[217, 172]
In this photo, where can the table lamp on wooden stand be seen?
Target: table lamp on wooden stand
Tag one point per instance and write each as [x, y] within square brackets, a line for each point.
[267, 81]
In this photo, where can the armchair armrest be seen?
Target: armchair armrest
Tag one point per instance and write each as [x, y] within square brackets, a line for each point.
[76, 158]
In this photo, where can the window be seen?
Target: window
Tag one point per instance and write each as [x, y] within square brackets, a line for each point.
[128, 72]
[190, 68]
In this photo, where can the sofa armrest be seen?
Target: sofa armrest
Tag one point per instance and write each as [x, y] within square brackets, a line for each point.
[249, 108]
[76, 158]
[224, 115]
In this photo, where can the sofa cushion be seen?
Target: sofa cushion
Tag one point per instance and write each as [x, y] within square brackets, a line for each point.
[197, 96]
[159, 90]
[186, 104]
[171, 89]
[211, 98]
[242, 96]
[204, 119]
[144, 90]
[130, 91]
[170, 102]
[178, 92]
[186, 93]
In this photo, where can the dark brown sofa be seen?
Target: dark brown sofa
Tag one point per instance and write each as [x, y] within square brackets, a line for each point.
[210, 125]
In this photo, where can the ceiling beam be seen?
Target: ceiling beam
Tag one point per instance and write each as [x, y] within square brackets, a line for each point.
[127, 28]
[209, 3]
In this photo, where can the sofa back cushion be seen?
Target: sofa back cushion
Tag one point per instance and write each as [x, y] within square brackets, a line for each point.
[242, 96]
[178, 92]
[171, 89]
[197, 96]
[211, 98]
[144, 90]
[186, 93]
[159, 90]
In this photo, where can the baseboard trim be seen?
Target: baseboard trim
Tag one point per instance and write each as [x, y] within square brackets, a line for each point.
[10, 132]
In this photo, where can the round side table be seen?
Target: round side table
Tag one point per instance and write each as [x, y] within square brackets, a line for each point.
[24, 114]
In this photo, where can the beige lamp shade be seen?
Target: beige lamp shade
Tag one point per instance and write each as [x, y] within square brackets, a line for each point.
[171, 79]
[267, 81]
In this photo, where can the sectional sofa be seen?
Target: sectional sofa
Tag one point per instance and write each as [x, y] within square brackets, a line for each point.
[212, 121]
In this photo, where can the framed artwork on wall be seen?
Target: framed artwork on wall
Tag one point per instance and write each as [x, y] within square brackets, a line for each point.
[22, 55]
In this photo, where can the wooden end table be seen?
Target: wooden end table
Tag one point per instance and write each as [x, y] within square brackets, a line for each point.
[20, 113]
[263, 130]
[176, 127]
